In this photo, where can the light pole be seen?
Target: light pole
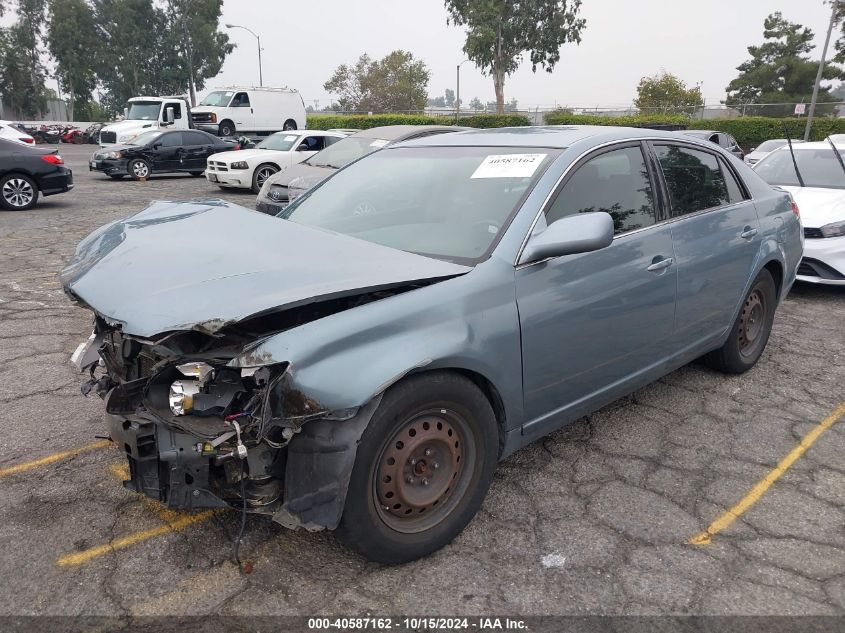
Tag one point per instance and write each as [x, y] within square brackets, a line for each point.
[833, 16]
[458, 91]
[238, 26]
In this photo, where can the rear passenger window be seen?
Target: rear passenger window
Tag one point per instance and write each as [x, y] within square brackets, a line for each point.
[734, 190]
[693, 177]
[615, 182]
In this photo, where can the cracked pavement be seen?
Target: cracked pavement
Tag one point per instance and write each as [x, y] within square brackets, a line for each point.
[593, 519]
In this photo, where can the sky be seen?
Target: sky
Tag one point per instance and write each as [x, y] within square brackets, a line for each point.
[699, 41]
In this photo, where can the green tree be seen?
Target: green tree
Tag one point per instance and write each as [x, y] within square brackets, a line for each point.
[780, 69]
[22, 73]
[476, 104]
[500, 31]
[667, 93]
[136, 60]
[449, 98]
[193, 30]
[394, 83]
[72, 40]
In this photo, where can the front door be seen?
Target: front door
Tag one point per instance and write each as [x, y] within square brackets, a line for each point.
[595, 323]
[716, 235]
[242, 112]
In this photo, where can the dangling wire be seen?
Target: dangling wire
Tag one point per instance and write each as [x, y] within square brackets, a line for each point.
[243, 517]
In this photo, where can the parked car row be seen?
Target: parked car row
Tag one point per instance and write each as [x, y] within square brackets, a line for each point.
[422, 313]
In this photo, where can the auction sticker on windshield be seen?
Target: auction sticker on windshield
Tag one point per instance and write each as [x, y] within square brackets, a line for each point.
[509, 166]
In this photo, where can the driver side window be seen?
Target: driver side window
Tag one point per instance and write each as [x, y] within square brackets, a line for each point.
[616, 182]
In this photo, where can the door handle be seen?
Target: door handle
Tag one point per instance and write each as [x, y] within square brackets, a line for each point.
[748, 233]
[660, 264]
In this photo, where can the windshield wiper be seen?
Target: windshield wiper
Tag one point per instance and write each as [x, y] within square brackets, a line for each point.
[836, 152]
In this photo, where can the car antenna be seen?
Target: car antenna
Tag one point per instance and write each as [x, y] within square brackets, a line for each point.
[792, 153]
[836, 153]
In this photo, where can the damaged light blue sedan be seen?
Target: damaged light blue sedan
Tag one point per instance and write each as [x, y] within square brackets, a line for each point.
[362, 361]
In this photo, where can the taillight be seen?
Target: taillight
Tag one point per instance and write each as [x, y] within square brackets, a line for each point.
[237, 146]
[795, 210]
[53, 159]
[29, 140]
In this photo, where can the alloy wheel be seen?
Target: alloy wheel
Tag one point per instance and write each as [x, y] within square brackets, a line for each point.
[18, 192]
[262, 175]
[140, 169]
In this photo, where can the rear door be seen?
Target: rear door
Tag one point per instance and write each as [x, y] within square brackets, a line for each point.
[595, 323]
[716, 235]
[197, 148]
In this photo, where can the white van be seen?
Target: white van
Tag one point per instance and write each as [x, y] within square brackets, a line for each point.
[237, 110]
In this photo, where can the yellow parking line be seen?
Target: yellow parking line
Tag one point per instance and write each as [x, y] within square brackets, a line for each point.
[51, 459]
[78, 558]
[760, 488]
[173, 522]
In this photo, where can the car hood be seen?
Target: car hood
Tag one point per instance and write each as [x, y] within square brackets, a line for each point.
[246, 154]
[203, 265]
[100, 153]
[301, 170]
[819, 205]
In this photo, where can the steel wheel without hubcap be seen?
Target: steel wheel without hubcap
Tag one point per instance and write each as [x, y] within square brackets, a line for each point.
[752, 321]
[423, 471]
[140, 169]
[18, 192]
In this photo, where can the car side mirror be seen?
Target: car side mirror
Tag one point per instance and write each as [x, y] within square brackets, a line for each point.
[125, 113]
[303, 147]
[169, 116]
[579, 233]
[156, 145]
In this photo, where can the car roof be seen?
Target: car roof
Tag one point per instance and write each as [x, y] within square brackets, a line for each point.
[550, 136]
[812, 145]
[401, 132]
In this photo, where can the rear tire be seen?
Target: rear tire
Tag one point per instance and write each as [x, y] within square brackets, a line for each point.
[117, 176]
[196, 174]
[750, 331]
[290, 124]
[423, 467]
[17, 192]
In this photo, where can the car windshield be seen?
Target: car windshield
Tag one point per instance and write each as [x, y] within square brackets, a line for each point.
[219, 98]
[445, 202]
[144, 110]
[146, 138]
[345, 151]
[280, 142]
[818, 167]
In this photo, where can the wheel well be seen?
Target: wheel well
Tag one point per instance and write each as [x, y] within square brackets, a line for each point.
[776, 271]
[489, 391]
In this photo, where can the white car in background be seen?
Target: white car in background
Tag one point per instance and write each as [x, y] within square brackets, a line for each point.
[250, 168]
[764, 149]
[10, 132]
[816, 180]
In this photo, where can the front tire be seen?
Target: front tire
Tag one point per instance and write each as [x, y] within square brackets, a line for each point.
[139, 169]
[261, 174]
[290, 124]
[422, 469]
[750, 331]
[227, 128]
[18, 192]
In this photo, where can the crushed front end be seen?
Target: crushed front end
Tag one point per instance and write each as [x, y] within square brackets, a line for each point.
[196, 433]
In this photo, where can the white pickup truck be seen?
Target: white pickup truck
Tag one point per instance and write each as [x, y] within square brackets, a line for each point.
[144, 113]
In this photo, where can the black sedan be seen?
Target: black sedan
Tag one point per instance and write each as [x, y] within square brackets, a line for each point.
[159, 151]
[25, 171]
